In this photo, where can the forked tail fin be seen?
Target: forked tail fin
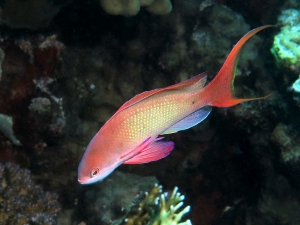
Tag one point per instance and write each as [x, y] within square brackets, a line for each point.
[220, 90]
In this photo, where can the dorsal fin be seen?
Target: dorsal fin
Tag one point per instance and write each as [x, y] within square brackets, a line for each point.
[201, 78]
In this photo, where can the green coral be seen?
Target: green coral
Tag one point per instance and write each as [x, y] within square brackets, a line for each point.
[286, 44]
[155, 208]
[167, 214]
[296, 85]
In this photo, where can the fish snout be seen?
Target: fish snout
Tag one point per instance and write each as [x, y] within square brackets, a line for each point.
[80, 181]
[84, 181]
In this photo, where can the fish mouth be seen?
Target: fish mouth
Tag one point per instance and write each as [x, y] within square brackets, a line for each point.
[81, 181]
[85, 182]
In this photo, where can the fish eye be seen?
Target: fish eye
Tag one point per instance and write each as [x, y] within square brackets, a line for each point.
[94, 172]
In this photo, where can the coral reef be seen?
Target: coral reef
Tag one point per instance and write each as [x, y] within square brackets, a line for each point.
[155, 207]
[40, 105]
[109, 201]
[296, 85]
[278, 204]
[6, 128]
[41, 14]
[296, 88]
[286, 48]
[218, 28]
[240, 166]
[28, 69]
[285, 138]
[23, 201]
[224, 26]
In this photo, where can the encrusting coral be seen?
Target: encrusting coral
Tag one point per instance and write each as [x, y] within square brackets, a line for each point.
[156, 209]
[22, 201]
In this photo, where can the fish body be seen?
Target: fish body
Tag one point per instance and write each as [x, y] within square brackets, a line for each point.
[132, 134]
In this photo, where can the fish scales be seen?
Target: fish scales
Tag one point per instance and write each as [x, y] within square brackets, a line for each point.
[153, 116]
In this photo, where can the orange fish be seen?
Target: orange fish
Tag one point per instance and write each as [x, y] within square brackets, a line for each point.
[132, 134]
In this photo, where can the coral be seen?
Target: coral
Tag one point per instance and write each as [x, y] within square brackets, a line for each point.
[156, 210]
[42, 84]
[22, 201]
[296, 88]
[132, 7]
[160, 7]
[28, 69]
[286, 47]
[86, 82]
[296, 85]
[248, 116]
[209, 36]
[222, 28]
[225, 22]
[278, 204]
[130, 203]
[285, 211]
[40, 105]
[285, 138]
[115, 195]
[6, 128]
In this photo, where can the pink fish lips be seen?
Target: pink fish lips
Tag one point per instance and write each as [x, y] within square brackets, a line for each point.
[133, 134]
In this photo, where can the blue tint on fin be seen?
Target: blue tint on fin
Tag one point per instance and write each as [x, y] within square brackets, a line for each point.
[191, 120]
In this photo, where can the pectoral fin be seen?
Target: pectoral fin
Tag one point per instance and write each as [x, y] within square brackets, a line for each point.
[152, 152]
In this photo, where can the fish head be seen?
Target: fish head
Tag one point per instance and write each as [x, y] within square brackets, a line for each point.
[97, 162]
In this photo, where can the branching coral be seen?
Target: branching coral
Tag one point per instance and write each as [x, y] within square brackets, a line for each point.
[168, 209]
[156, 209]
